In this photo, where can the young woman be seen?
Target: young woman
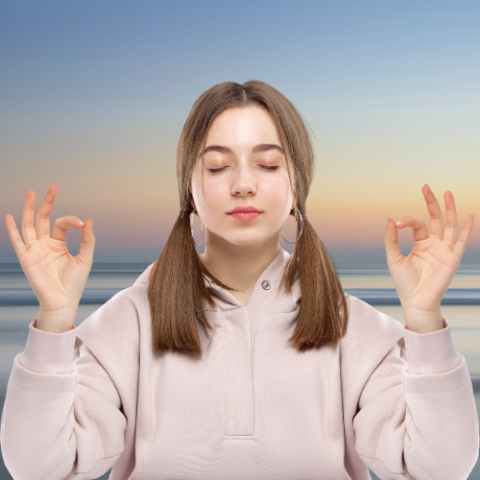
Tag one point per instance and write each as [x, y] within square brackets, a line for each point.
[238, 364]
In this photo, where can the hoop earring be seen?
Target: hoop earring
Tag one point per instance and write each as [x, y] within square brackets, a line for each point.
[301, 230]
[191, 228]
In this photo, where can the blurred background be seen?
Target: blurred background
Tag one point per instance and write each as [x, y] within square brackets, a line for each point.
[94, 95]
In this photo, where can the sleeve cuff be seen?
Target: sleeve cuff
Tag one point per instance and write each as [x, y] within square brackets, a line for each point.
[431, 352]
[47, 352]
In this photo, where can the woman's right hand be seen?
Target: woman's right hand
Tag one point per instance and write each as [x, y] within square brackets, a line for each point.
[57, 278]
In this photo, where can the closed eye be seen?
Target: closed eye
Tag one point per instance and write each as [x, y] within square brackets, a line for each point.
[216, 170]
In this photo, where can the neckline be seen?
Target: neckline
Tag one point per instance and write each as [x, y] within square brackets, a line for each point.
[225, 300]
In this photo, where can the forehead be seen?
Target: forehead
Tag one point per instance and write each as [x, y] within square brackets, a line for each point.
[242, 125]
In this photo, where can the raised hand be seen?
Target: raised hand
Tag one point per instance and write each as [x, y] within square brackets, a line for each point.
[57, 278]
[422, 278]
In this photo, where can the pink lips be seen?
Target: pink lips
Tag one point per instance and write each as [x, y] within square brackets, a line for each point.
[245, 216]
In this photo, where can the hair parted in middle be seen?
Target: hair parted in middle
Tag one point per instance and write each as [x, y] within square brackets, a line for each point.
[177, 290]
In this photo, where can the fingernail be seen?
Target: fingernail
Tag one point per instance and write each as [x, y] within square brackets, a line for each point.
[399, 222]
[80, 222]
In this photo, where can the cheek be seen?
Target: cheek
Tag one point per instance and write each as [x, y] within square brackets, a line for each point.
[214, 195]
[213, 191]
[277, 191]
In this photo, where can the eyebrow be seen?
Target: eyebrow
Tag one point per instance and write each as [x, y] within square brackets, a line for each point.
[262, 147]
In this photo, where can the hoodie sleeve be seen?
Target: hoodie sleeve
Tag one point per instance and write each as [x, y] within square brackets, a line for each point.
[63, 416]
[416, 417]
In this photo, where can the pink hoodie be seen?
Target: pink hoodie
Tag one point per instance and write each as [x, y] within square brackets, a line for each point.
[96, 397]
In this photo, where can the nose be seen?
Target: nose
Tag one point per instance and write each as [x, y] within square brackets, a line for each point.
[244, 182]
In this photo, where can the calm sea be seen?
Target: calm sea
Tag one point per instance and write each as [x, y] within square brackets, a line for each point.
[369, 282]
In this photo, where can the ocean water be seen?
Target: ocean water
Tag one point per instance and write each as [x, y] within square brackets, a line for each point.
[369, 282]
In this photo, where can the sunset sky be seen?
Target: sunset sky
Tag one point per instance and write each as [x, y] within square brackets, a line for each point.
[94, 94]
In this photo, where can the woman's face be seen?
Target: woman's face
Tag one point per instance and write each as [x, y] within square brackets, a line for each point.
[244, 141]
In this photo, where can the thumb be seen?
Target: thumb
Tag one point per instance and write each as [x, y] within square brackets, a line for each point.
[394, 255]
[85, 255]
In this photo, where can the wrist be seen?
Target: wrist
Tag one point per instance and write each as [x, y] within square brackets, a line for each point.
[423, 321]
[56, 321]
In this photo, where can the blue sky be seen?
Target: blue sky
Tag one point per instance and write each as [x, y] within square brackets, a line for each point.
[92, 90]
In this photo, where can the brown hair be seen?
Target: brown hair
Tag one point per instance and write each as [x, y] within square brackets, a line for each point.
[177, 290]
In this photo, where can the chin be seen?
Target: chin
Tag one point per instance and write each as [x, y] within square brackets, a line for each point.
[249, 239]
[247, 243]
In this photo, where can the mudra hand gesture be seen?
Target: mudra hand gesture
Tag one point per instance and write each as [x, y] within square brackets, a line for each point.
[422, 278]
[57, 278]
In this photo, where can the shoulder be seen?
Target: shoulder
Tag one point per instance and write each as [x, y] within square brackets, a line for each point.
[144, 276]
[366, 321]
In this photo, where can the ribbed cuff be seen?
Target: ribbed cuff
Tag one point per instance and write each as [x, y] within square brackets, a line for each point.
[47, 352]
[431, 352]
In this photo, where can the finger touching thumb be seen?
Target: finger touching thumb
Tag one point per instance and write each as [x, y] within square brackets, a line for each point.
[85, 255]
[394, 255]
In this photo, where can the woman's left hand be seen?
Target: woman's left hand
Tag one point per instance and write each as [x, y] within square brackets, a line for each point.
[422, 278]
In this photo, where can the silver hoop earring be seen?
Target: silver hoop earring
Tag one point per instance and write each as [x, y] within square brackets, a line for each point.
[301, 230]
[191, 228]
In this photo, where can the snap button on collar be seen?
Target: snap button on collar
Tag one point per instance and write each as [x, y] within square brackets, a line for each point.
[266, 285]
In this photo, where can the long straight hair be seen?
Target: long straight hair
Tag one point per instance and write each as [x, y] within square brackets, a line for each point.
[177, 290]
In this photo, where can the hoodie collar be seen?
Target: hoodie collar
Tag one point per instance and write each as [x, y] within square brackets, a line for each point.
[265, 293]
